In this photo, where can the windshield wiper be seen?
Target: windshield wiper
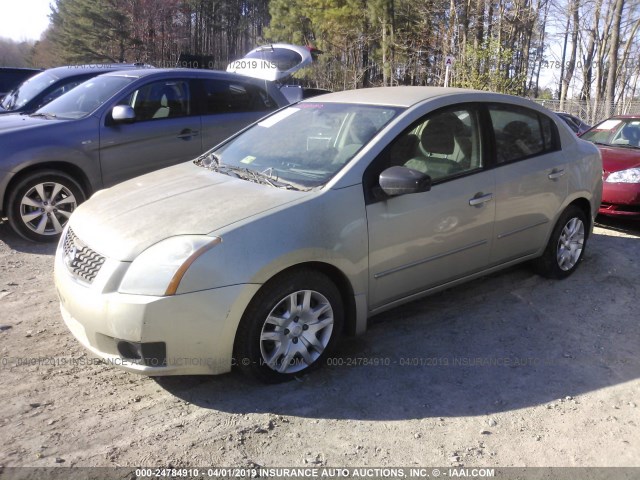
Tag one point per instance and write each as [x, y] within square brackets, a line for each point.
[208, 160]
[623, 145]
[256, 176]
[44, 115]
[267, 177]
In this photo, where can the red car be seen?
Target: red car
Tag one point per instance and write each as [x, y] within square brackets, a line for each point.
[618, 139]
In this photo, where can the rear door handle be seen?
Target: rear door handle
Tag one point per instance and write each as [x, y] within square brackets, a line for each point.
[187, 133]
[480, 199]
[556, 173]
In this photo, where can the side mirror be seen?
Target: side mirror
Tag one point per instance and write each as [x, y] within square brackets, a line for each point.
[123, 114]
[398, 180]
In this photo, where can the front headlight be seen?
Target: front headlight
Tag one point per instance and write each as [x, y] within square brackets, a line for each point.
[159, 269]
[631, 175]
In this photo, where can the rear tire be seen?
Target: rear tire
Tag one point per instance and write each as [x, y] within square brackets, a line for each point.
[289, 327]
[566, 245]
[40, 203]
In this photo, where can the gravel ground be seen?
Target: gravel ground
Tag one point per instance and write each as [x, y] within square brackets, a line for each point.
[509, 370]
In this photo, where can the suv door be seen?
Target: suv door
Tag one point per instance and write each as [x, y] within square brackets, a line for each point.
[166, 131]
[230, 105]
[422, 240]
[531, 184]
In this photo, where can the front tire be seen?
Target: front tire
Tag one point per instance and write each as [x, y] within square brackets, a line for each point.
[566, 245]
[289, 327]
[41, 203]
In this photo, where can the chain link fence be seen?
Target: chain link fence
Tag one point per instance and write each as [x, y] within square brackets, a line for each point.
[591, 111]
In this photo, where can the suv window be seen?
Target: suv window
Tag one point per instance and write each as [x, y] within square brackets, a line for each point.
[60, 89]
[162, 99]
[521, 133]
[223, 96]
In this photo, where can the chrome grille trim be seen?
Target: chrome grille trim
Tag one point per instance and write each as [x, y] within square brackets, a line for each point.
[80, 260]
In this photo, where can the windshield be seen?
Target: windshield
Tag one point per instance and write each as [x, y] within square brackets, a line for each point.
[617, 132]
[28, 90]
[85, 98]
[302, 146]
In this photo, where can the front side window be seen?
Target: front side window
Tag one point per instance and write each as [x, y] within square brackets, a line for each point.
[304, 145]
[521, 133]
[443, 144]
[158, 100]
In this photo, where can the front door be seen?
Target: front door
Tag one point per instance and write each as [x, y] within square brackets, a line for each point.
[422, 240]
[166, 131]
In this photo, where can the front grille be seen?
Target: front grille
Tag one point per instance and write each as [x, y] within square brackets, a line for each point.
[80, 260]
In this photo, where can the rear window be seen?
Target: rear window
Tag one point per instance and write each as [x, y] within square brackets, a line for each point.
[283, 58]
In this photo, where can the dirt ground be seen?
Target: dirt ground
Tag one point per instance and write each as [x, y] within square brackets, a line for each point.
[509, 370]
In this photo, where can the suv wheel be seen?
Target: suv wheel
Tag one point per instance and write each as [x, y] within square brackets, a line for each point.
[41, 203]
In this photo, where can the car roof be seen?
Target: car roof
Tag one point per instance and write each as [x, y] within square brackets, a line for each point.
[97, 68]
[185, 72]
[19, 69]
[408, 96]
[632, 116]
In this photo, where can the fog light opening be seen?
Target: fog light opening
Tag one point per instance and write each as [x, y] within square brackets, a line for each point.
[151, 354]
[129, 350]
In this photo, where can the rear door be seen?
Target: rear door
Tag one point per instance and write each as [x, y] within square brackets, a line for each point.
[531, 183]
[229, 105]
[166, 131]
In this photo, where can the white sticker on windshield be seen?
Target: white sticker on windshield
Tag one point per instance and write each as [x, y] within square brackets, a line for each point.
[273, 119]
[608, 125]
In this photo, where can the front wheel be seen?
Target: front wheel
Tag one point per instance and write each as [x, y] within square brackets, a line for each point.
[566, 245]
[289, 327]
[41, 203]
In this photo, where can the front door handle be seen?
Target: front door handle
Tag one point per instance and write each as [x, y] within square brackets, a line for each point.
[480, 199]
[556, 173]
[187, 133]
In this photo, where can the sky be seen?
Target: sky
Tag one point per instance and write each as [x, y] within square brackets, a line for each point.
[27, 19]
[24, 19]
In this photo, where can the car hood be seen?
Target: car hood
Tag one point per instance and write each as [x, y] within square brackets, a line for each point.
[15, 121]
[124, 220]
[619, 158]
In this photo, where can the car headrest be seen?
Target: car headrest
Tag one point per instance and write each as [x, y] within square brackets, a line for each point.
[438, 136]
[517, 129]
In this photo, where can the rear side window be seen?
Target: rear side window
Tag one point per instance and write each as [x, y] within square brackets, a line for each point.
[223, 96]
[521, 133]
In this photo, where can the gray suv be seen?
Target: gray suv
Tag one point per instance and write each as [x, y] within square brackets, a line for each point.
[38, 90]
[113, 127]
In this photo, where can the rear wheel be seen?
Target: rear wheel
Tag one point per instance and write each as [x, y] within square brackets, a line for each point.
[289, 327]
[566, 245]
[41, 203]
